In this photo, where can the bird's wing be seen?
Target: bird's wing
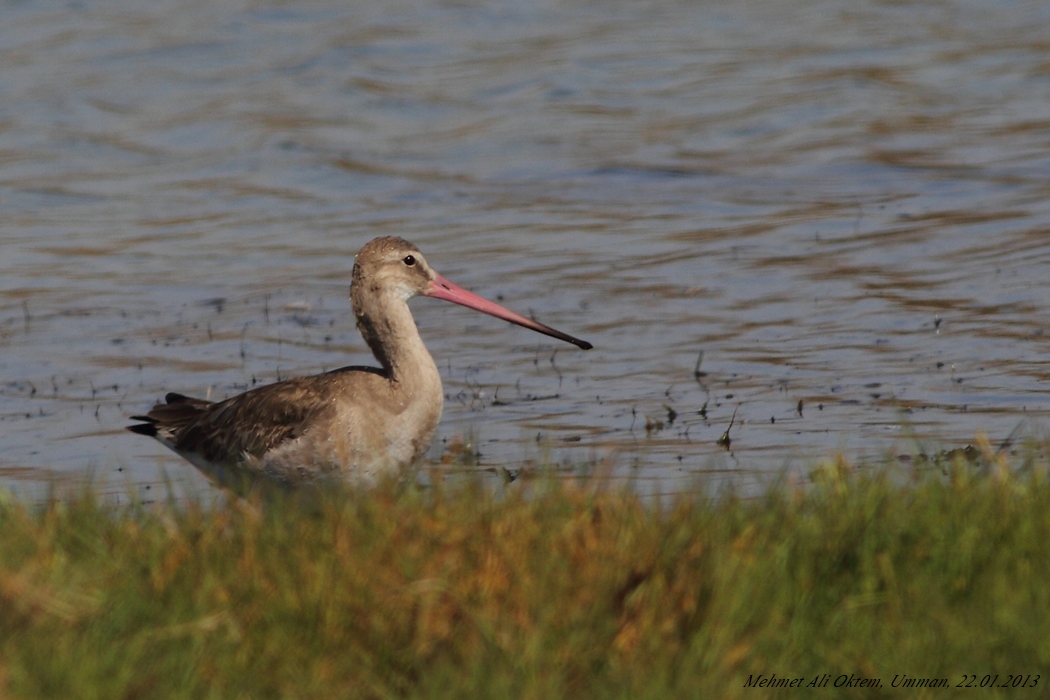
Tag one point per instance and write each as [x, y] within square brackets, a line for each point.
[252, 423]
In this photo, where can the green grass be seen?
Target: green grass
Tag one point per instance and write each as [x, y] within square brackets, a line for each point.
[551, 591]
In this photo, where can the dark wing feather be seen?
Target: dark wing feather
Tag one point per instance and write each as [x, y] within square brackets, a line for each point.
[176, 412]
[250, 423]
[254, 422]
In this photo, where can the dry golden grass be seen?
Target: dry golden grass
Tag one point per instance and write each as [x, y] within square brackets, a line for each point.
[553, 590]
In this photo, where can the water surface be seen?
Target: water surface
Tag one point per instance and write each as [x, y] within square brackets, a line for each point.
[845, 207]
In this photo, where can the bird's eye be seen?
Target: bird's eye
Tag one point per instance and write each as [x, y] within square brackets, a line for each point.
[409, 260]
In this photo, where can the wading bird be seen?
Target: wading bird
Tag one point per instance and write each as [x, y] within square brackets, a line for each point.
[352, 424]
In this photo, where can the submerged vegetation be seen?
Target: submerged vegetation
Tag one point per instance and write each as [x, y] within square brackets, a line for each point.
[551, 589]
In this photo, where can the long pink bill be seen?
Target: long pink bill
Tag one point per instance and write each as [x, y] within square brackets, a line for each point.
[441, 288]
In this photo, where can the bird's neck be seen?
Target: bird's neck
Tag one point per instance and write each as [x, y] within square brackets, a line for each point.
[391, 333]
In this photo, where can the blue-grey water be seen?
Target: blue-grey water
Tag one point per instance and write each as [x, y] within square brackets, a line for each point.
[843, 206]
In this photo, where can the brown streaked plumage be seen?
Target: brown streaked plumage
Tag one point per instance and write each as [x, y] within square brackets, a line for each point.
[351, 424]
